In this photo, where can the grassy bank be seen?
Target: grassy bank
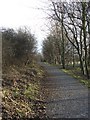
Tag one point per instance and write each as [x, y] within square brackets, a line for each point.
[76, 73]
[21, 92]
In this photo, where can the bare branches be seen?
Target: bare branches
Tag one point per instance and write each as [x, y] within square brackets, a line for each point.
[73, 24]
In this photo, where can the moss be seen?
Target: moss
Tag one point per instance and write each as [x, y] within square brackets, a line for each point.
[31, 91]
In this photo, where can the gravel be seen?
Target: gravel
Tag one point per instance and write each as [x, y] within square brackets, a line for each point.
[66, 97]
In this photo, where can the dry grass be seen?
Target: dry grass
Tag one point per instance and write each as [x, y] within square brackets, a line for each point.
[21, 92]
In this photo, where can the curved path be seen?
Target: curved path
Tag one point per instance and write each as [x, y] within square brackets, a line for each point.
[66, 97]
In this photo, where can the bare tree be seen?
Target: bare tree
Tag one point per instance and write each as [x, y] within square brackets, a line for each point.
[73, 22]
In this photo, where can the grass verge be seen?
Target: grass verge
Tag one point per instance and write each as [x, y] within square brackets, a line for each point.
[75, 72]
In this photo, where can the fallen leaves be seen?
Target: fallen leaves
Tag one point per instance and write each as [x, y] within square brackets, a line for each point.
[21, 93]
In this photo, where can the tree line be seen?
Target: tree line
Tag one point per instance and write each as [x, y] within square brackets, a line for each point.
[18, 47]
[68, 41]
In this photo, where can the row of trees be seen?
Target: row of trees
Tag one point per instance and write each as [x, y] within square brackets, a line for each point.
[18, 47]
[69, 39]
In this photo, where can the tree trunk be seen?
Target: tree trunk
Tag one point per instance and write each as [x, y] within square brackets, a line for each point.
[63, 48]
[84, 36]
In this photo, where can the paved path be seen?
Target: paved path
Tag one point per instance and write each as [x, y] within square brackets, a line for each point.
[66, 97]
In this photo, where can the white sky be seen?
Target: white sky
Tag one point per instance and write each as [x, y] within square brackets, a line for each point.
[18, 13]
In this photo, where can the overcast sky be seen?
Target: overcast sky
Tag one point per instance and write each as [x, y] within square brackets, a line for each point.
[18, 13]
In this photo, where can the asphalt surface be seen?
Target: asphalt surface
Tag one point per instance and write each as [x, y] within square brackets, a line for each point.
[65, 96]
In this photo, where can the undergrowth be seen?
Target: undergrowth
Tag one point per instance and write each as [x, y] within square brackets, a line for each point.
[21, 92]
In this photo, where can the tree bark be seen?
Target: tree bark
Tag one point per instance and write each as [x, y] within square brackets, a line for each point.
[84, 37]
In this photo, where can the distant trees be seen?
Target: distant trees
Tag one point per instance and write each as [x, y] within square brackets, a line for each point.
[49, 49]
[19, 46]
[54, 48]
[73, 34]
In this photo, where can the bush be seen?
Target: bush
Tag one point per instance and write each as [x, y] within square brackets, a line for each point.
[18, 47]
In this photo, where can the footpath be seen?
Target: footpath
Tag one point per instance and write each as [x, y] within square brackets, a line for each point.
[66, 96]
